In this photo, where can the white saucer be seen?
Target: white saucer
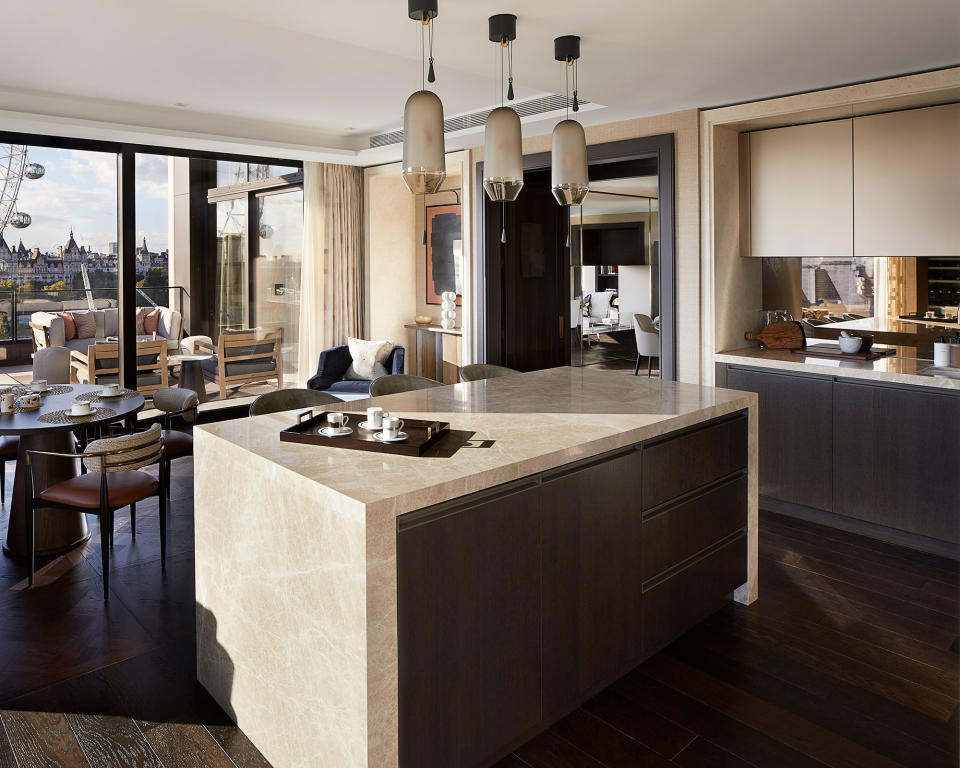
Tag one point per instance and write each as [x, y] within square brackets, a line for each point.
[70, 412]
[103, 393]
[331, 432]
[366, 425]
[379, 436]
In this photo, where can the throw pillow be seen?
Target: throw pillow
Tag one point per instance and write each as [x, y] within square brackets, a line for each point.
[368, 359]
[141, 318]
[69, 327]
[151, 321]
[86, 324]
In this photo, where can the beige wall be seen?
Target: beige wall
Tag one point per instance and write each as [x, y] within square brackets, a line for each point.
[685, 127]
[395, 258]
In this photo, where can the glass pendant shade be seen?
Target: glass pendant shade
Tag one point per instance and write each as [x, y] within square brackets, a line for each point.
[570, 182]
[502, 156]
[424, 164]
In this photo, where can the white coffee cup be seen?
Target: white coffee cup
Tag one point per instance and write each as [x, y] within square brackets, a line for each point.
[38, 385]
[81, 408]
[111, 389]
[7, 401]
[391, 427]
[337, 421]
[375, 416]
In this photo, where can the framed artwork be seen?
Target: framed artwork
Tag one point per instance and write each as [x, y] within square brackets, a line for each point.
[444, 252]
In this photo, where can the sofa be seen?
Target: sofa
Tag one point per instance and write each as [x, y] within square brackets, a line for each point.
[333, 365]
[48, 329]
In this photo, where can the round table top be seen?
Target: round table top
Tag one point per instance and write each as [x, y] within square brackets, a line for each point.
[27, 422]
[173, 359]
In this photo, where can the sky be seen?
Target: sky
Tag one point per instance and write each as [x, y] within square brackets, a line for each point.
[79, 190]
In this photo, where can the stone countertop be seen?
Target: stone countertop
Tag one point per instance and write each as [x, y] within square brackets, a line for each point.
[899, 369]
[520, 425]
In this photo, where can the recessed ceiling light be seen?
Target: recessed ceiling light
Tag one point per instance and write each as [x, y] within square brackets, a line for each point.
[179, 104]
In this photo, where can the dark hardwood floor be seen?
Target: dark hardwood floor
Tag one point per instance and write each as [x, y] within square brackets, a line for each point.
[849, 658]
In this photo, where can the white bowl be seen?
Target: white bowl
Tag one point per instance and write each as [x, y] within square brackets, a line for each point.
[850, 344]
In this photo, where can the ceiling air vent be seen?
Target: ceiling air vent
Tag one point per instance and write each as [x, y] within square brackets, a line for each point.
[528, 108]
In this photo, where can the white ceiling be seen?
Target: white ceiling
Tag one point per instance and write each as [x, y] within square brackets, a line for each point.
[298, 77]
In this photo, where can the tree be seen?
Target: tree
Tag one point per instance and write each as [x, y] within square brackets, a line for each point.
[60, 285]
[156, 277]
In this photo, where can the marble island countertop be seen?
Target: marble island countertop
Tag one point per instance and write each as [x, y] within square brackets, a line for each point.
[899, 369]
[296, 545]
[517, 425]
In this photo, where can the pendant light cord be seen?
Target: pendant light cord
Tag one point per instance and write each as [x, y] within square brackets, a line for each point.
[501, 75]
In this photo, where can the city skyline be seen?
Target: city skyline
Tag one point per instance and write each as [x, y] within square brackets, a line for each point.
[79, 192]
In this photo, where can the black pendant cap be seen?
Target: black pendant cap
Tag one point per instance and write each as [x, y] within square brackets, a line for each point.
[576, 102]
[510, 90]
[422, 9]
[431, 75]
[566, 48]
[503, 28]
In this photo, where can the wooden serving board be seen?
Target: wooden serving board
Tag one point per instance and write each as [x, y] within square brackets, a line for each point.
[829, 350]
[421, 435]
[784, 335]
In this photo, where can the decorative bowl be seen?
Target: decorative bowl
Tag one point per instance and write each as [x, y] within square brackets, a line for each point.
[423, 320]
[850, 344]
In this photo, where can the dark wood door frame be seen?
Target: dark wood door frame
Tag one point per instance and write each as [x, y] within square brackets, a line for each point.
[487, 302]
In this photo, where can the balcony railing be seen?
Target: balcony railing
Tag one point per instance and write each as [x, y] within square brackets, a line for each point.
[16, 306]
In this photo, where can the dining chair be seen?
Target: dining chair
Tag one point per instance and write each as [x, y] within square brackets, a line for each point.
[52, 364]
[648, 341]
[9, 446]
[288, 399]
[480, 371]
[174, 401]
[401, 382]
[113, 480]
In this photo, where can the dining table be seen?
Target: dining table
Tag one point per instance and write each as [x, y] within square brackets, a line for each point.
[50, 428]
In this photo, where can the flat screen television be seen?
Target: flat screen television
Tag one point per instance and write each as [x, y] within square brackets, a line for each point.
[610, 244]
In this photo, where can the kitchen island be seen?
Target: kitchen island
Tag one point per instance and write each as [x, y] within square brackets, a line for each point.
[368, 609]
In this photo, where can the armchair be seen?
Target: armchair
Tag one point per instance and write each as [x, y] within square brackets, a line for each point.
[241, 357]
[334, 363]
[100, 365]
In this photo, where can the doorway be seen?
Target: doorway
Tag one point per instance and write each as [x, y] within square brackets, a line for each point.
[532, 302]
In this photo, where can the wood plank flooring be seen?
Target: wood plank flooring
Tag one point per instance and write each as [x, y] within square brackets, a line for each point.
[849, 659]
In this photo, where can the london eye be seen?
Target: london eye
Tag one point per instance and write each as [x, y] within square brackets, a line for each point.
[15, 166]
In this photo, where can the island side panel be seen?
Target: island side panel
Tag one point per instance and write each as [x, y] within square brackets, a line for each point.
[281, 620]
[748, 592]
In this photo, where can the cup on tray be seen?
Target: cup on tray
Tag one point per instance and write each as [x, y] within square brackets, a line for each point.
[337, 421]
[375, 416]
[81, 408]
[392, 427]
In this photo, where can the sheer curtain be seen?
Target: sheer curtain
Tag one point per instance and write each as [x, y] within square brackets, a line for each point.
[331, 293]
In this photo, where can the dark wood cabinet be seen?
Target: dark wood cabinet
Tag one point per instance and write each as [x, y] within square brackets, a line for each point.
[518, 603]
[469, 618]
[796, 431]
[897, 458]
[591, 578]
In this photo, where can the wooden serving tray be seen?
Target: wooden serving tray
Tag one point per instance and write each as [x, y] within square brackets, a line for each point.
[421, 434]
[828, 350]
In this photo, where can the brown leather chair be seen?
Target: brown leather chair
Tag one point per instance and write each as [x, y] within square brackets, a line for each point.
[9, 445]
[173, 401]
[113, 480]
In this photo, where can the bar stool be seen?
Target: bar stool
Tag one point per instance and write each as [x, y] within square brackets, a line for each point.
[176, 444]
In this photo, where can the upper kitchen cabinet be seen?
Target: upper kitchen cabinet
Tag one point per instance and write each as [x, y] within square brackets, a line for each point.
[801, 190]
[906, 177]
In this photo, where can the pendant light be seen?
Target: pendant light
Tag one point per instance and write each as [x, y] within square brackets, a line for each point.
[424, 164]
[570, 182]
[502, 150]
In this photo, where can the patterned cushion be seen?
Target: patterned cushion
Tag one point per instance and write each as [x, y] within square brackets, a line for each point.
[69, 327]
[151, 321]
[143, 450]
[368, 358]
[141, 318]
[86, 324]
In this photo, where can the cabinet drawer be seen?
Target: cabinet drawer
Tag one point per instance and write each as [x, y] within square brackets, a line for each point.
[675, 465]
[674, 533]
[675, 604]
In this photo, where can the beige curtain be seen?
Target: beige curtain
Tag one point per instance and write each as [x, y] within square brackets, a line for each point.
[331, 295]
